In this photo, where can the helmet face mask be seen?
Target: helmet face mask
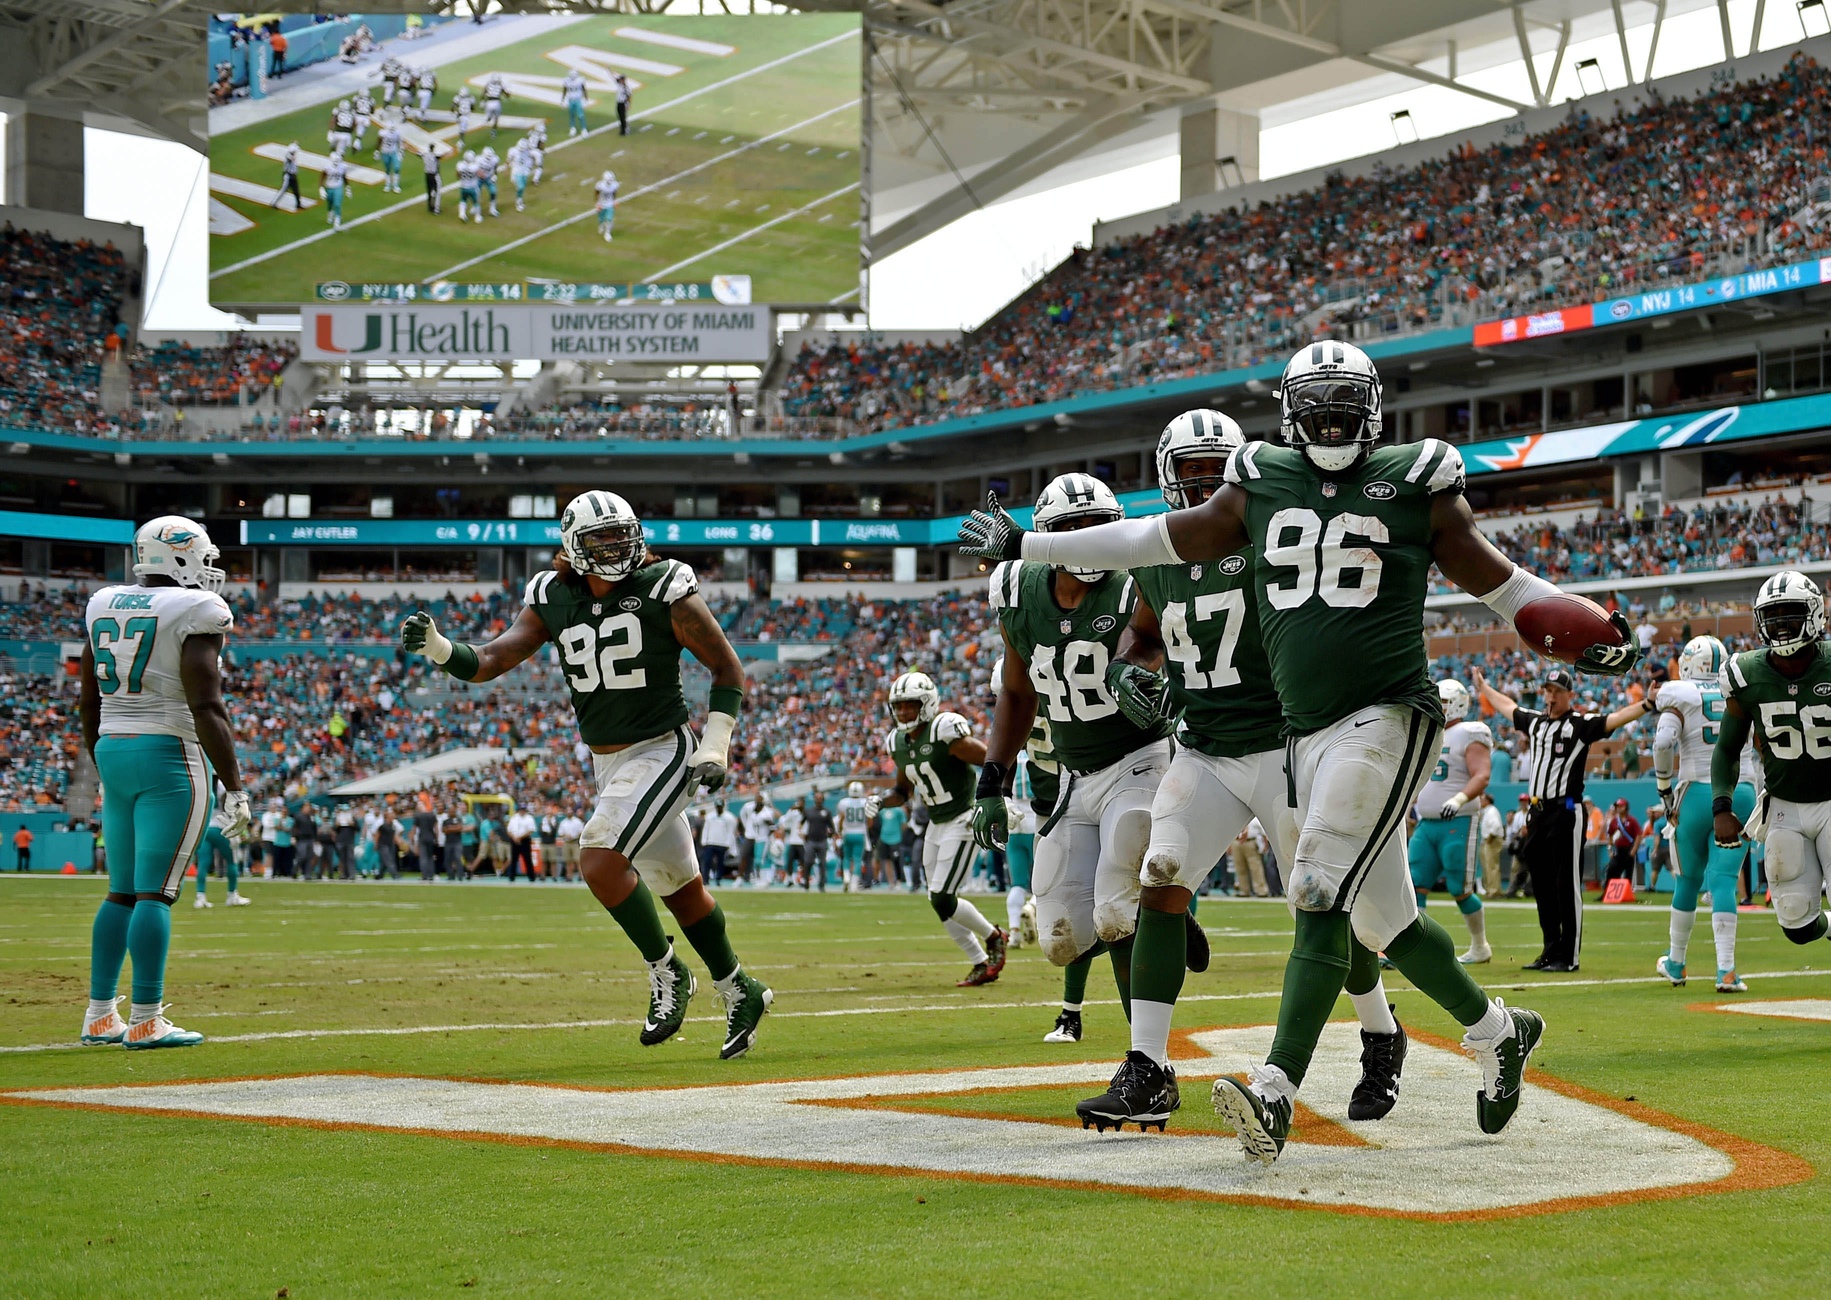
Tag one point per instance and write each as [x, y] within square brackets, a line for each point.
[1192, 456]
[1455, 697]
[174, 547]
[600, 535]
[1789, 613]
[1701, 660]
[914, 695]
[1072, 502]
[1329, 405]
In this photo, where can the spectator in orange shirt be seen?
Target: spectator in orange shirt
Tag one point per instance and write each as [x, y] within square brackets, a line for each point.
[22, 842]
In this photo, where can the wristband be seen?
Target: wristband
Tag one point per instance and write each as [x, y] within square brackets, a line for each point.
[726, 699]
[994, 779]
[463, 662]
[1722, 804]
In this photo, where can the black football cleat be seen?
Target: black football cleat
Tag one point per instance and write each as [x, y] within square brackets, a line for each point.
[1382, 1061]
[1142, 1092]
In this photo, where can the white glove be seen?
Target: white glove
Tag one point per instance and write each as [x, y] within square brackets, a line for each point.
[421, 636]
[873, 806]
[233, 818]
[712, 760]
[1452, 806]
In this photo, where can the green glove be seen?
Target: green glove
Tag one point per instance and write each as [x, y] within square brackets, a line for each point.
[1612, 660]
[991, 821]
[991, 534]
[1142, 696]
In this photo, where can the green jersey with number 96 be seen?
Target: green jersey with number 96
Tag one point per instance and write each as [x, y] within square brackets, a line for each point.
[1068, 651]
[1343, 568]
[942, 782]
[1220, 680]
[1791, 721]
[619, 651]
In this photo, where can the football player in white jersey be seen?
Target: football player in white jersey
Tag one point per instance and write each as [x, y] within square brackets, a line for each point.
[607, 203]
[1444, 847]
[388, 148]
[487, 163]
[462, 105]
[343, 124]
[855, 813]
[467, 187]
[1690, 713]
[521, 165]
[154, 721]
[364, 107]
[493, 95]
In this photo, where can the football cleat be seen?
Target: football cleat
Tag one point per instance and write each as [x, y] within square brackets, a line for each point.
[670, 986]
[1672, 970]
[995, 952]
[104, 1029]
[1503, 1066]
[201, 903]
[1026, 923]
[980, 974]
[745, 1004]
[1263, 1126]
[1729, 982]
[157, 1031]
[1382, 1061]
[1142, 1092]
[1196, 956]
[236, 900]
[1479, 954]
[1067, 1028]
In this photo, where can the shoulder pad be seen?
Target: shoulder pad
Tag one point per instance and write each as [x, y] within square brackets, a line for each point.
[1437, 467]
[1002, 590]
[676, 582]
[890, 742]
[1242, 464]
[212, 615]
[950, 727]
[1480, 731]
[539, 587]
[1732, 675]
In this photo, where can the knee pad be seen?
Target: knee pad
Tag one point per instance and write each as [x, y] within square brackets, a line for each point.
[1059, 943]
[601, 832]
[945, 905]
[1810, 932]
[1114, 922]
[1796, 911]
[1310, 888]
[1162, 866]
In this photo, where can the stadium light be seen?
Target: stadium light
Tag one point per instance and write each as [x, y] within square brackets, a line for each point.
[1404, 130]
[1822, 20]
[1591, 69]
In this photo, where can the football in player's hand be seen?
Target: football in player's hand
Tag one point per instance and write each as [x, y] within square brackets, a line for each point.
[1564, 626]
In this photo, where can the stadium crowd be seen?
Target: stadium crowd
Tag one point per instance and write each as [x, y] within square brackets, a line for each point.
[237, 373]
[60, 303]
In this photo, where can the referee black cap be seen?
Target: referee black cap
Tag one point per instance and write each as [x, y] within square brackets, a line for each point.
[1558, 677]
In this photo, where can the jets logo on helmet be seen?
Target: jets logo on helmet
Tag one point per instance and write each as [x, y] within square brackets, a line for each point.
[1193, 435]
[1076, 500]
[920, 689]
[600, 534]
[1702, 659]
[1789, 612]
[1329, 404]
[180, 549]
[1455, 697]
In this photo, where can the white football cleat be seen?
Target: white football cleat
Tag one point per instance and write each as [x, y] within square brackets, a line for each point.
[236, 900]
[104, 1029]
[1477, 955]
[1026, 924]
[157, 1031]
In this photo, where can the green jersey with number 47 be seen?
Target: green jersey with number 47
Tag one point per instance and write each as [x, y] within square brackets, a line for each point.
[1343, 567]
[621, 657]
[1791, 721]
[1220, 680]
[1068, 651]
[942, 782]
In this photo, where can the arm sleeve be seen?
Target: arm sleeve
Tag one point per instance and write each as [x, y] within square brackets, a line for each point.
[1665, 744]
[1592, 727]
[1726, 758]
[1126, 544]
[1524, 720]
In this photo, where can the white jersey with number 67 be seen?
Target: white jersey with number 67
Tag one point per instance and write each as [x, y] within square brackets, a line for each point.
[136, 635]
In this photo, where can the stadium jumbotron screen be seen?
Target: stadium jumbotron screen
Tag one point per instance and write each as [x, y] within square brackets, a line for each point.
[602, 158]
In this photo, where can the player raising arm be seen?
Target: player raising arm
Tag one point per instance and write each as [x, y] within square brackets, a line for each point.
[1344, 534]
[1782, 696]
[155, 723]
[620, 617]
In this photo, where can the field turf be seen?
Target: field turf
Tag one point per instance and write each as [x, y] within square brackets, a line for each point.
[101, 1203]
[777, 140]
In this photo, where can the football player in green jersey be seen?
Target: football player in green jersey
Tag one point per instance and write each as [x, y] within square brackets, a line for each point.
[1199, 621]
[1782, 695]
[1061, 627]
[620, 616]
[1344, 534]
[935, 754]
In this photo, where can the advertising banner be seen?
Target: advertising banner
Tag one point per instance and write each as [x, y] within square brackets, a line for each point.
[699, 332]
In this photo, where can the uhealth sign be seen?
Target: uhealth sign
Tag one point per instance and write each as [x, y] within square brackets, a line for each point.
[1654, 302]
[698, 332]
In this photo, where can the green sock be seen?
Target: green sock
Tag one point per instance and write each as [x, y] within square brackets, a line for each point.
[1468, 906]
[636, 914]
[1074, 976]
[149, 935]
[1160, 948]
[1425, 955]
[1121, 950]
[1312, 980]
[1363, 967]
[107, 948]
[707, 935]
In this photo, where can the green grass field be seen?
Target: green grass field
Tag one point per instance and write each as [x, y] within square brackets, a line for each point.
[697, 170]
[325, 978]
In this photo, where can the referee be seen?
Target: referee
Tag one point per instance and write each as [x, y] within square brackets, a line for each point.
[1557, 752]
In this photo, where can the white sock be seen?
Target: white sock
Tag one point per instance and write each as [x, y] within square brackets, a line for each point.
[1151, 1028]
[1014, 906]
[1478, 928]
[1374, 1011]
[1495, 1024]
[1072, 1006]
[100, 1008]
[730, 981]
[968, 941]
[1271, 1083]
[143, 1011]
[970, 917]
[1724, 925]
[1681, 935]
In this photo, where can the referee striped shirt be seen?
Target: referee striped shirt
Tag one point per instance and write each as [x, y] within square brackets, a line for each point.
[1557, 750]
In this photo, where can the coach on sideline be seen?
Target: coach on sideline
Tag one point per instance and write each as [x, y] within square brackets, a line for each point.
[1557, 752]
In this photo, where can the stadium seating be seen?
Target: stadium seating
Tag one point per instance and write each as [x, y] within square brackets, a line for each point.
[181, 375]
[60, 302]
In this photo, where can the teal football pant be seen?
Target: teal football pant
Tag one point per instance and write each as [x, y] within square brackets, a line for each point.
[852, 855]
[216, 850]
[1020, 859]
[1444, 851]
[575, 115]
[1700, 862]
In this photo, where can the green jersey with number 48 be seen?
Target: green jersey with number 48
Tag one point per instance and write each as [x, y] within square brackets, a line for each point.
[1068, 651]
[619, 651]
[1220, 680]
[1791, 721]
[1343, 567]
[942, 782]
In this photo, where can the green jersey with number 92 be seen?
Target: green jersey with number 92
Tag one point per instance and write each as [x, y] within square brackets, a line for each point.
[619, 652]
[1343, 568]
[1068, 651]
[1791, 720]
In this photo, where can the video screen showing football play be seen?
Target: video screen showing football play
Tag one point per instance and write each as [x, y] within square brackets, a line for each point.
[573, 149]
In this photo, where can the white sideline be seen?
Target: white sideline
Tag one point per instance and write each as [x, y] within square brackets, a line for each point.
[754, 230]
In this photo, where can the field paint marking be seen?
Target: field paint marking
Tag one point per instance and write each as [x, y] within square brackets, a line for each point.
[553, 148]
[571, 55]
[317, 162]
[803, 210]
[1423, 1161]
[1784, 1009]
[225, 220]
[689, 43]
[591, 212]
[253, 191]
